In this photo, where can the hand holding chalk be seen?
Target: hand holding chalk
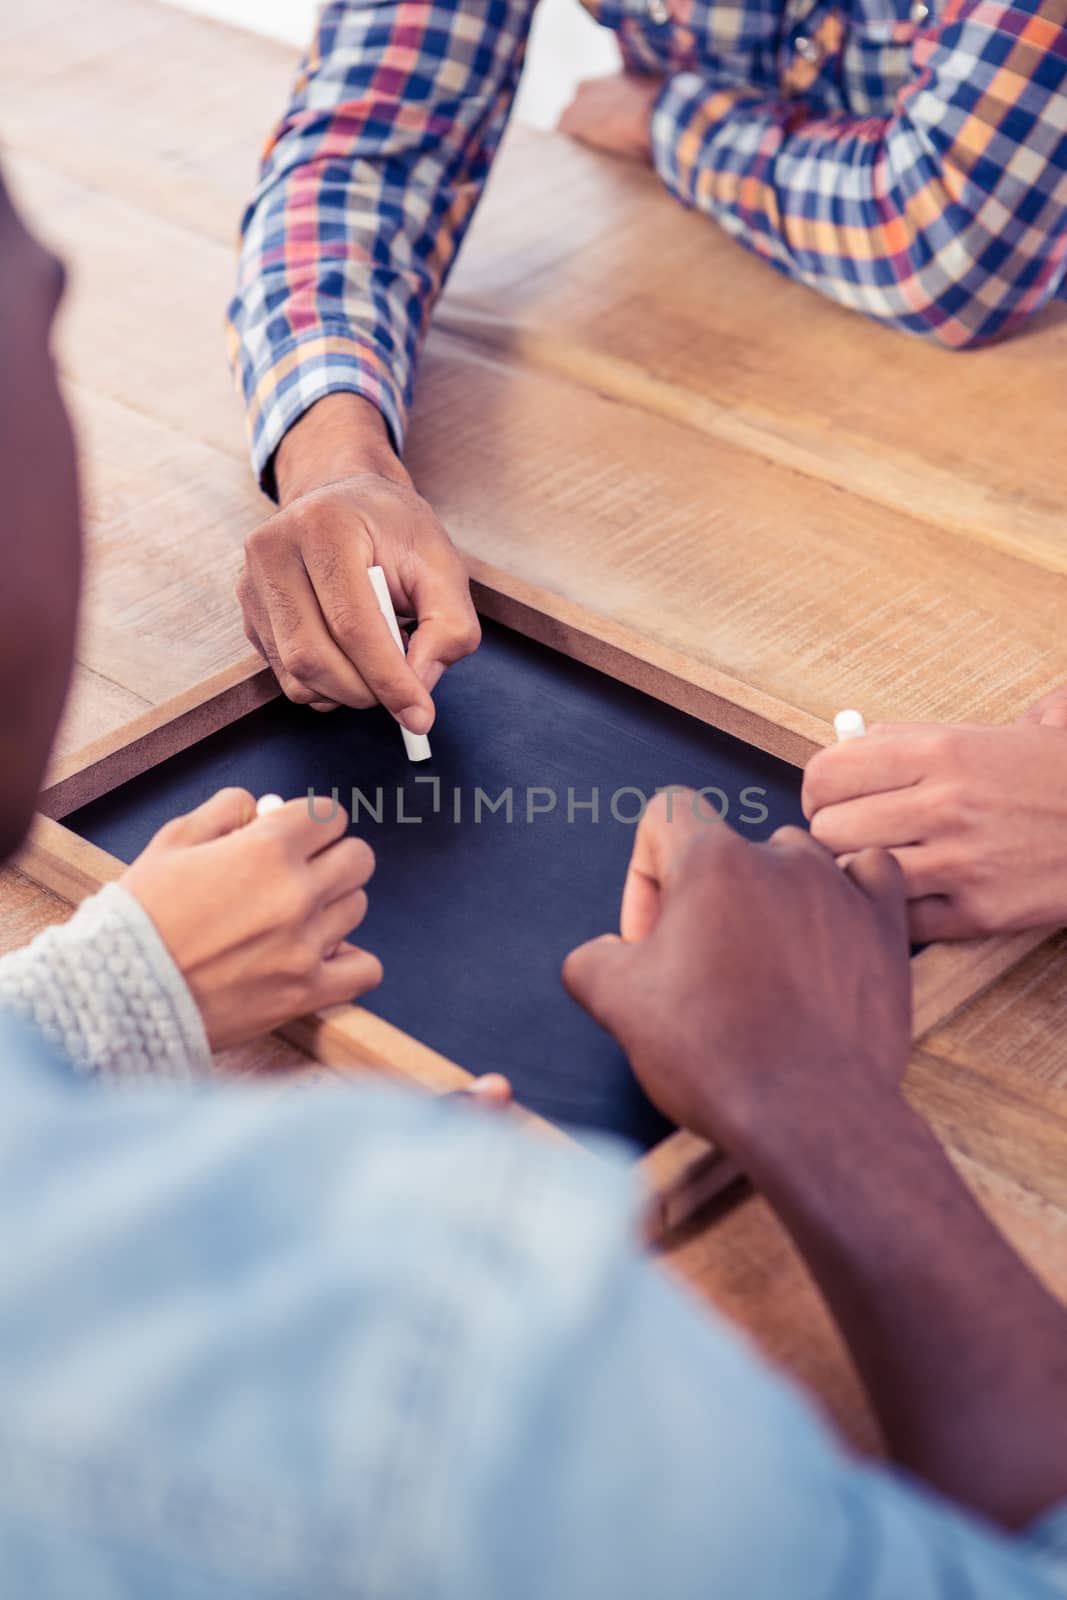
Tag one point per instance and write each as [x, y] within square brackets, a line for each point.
[416, 744]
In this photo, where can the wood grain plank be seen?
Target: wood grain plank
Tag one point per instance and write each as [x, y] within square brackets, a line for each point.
[133, 64]
[153, 736]
[165, 518]
[656, 306]
[993, 1078]
[1003, 1125]
[770, 577]
[95, 705]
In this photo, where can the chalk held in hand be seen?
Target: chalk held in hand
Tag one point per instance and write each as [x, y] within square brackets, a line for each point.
[416, 744]
[849, 725]
[268, 803]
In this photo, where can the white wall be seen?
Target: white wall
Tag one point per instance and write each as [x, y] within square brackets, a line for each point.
[566, 45]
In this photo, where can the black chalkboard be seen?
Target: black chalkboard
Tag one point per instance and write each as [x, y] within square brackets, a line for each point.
[473, 914]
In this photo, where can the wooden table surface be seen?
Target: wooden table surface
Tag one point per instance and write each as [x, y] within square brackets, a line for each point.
[620, 405]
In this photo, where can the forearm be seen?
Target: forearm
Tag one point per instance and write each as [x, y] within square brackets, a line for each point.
[962, 1351]
[895, 217]
[367, 189]
[103, 989]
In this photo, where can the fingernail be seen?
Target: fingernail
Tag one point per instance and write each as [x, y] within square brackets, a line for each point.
[416, 719]
[430, 675]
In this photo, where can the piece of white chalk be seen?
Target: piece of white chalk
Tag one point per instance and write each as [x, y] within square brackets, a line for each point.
[268, 803]
[416, 744]
[849, 725]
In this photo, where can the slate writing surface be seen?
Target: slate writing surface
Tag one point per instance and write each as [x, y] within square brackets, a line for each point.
[473, 917]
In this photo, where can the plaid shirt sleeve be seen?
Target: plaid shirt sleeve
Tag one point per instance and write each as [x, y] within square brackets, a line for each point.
[948, 218]
[367, 187]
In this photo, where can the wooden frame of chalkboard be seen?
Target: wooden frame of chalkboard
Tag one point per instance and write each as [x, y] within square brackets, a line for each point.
[682, 1173]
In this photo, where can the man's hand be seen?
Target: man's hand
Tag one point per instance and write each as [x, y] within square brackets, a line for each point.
[348, 505]
[762, 995]
[976, 817]
[254, 911]
[614, 114]
[754, 987]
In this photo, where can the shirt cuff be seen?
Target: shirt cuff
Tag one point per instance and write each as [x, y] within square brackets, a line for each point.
[303, 369]
[688, 111]
[105, 991]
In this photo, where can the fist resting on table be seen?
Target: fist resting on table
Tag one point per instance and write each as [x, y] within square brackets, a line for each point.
[763, 994]
[751, 985]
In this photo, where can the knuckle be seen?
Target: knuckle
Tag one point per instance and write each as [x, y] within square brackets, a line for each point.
[976, 912]
[790, 834]
[344, 980]
[263, 542]
[357, 909]
[234, 796]
[371, 973]
[357, 863]
[393, 684]
[823, 830]
[468, 636]
[275, 858]
[815, 773]
[329, 554]
[173, 833]
[661, 807]
[319, 520]
[708, 852]
[300, 660]
[295, 691]
[945, 746]
[346, 624]
[301, 903]
[573, 973]
[955, 806]
[303, 960]
[974, 873]
[361, 699]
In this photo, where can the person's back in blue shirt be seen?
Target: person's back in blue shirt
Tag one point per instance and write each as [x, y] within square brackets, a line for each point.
[351, 1342]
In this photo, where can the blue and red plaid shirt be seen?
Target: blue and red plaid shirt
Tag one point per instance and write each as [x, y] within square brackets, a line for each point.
[907, 160]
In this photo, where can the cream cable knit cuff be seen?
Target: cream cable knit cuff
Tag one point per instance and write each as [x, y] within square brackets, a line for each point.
[104, 989]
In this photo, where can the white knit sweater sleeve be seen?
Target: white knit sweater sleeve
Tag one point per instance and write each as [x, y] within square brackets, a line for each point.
[104, 989]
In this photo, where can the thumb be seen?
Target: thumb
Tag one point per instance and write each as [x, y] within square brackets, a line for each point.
[447, 623]
[224, 813]
[596, 975]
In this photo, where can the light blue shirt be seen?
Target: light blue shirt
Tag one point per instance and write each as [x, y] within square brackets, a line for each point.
[351, 1341]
